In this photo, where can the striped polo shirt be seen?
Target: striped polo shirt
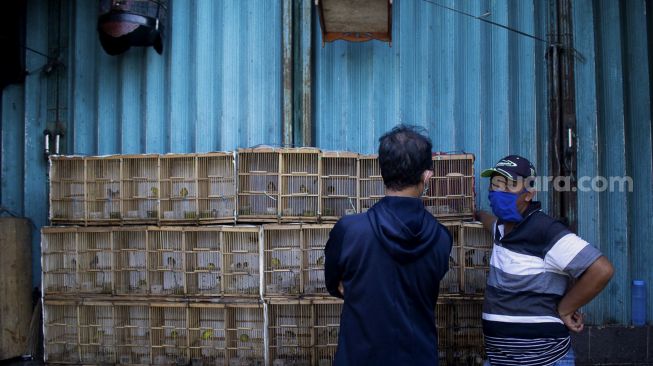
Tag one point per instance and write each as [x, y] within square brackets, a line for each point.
[530, 269]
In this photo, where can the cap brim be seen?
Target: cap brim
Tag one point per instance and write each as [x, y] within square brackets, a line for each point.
[487, 173]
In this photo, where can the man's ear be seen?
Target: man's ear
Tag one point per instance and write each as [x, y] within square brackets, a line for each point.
[530, 195]
[427, 175]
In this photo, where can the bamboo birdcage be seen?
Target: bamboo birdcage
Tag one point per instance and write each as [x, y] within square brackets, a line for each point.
[300, 184]
[460, 332]
[59, 260]
[290, 332]
[67, 193]
[244, 330]
[450, 192]
[241, 263]
[476, 251]
[169, 333]
[327, 328]
[178, 188]
[258, 184]
[216, 178]
[314, 239]
[203, 261]
[165, 247]
[140, 188]
[130, 260]
[339, 185]
[207, 334]
[132, 327]
[103, 189]
[97, 338]
[60, 332]
[95, 260]
[451, 282]
[282, 258]
[371, 187]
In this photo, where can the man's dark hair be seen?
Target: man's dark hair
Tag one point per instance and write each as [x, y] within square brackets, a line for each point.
[404, 154]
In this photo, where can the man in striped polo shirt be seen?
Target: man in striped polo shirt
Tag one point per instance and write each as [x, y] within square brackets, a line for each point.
[530, 301]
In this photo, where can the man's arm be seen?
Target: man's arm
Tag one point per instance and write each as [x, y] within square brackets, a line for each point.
[487, 219]
[333, 268]
[590, 284]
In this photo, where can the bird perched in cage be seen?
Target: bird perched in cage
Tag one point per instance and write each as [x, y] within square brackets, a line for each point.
[244, 337]
[171, 262]
[331, 190]
[485, 260]
[271, 187]
[320, 261]
[207, 334]
[73, 263]
[469, 257]
[183, 192]
[303, 189]
[452, 261]
[211, 266]
[94, 262]
[276, 263]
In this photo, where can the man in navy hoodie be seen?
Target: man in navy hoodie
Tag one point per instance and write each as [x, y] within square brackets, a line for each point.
[387, 263]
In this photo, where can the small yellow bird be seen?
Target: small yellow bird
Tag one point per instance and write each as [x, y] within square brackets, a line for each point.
[244, 338]
[207, 334]
[183, 192]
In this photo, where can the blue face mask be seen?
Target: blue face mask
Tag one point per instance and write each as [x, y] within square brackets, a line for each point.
[504, 206]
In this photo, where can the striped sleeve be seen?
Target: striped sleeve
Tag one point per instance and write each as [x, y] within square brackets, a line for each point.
[571, 255]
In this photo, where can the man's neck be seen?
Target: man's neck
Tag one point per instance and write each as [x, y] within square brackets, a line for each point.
[412, 192]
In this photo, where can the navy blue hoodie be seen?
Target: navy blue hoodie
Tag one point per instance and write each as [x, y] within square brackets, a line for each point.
[390, 260]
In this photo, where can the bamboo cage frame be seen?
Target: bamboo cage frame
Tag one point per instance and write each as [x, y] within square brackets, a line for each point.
[314, 239]
[290, 331]
[300, 184]
[327, 328]
[133, 333]
[169, 333]
[339, 186]
[204, 262]
[460, 331]
[95, 267]
[166, 261]
[282, 252]
[178, 189]
[130, 260]
[451, 283]
[476, 253]
[259, 184]
[60, 332]
[67, 189]
[59, 260]
[217, 187]
[241, 248]
[450, 192]
[371, 188]
[97, 341]
[140, 189]
[207, 334]
[102, 181]
[245, 328]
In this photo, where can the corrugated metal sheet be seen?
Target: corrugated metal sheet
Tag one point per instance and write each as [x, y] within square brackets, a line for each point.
[475, 87]
[614, 136]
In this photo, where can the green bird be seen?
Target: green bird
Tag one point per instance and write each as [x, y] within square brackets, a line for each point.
[207, 334]
[244, 338]
[173, 334]
[183, 192]
[276, 263]
[211, 266]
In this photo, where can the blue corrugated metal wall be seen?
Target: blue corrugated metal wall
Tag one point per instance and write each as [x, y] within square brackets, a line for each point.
[475, 87]
[614, 135]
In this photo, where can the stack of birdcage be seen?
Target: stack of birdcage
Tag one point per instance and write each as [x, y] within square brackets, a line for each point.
[240, 278]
